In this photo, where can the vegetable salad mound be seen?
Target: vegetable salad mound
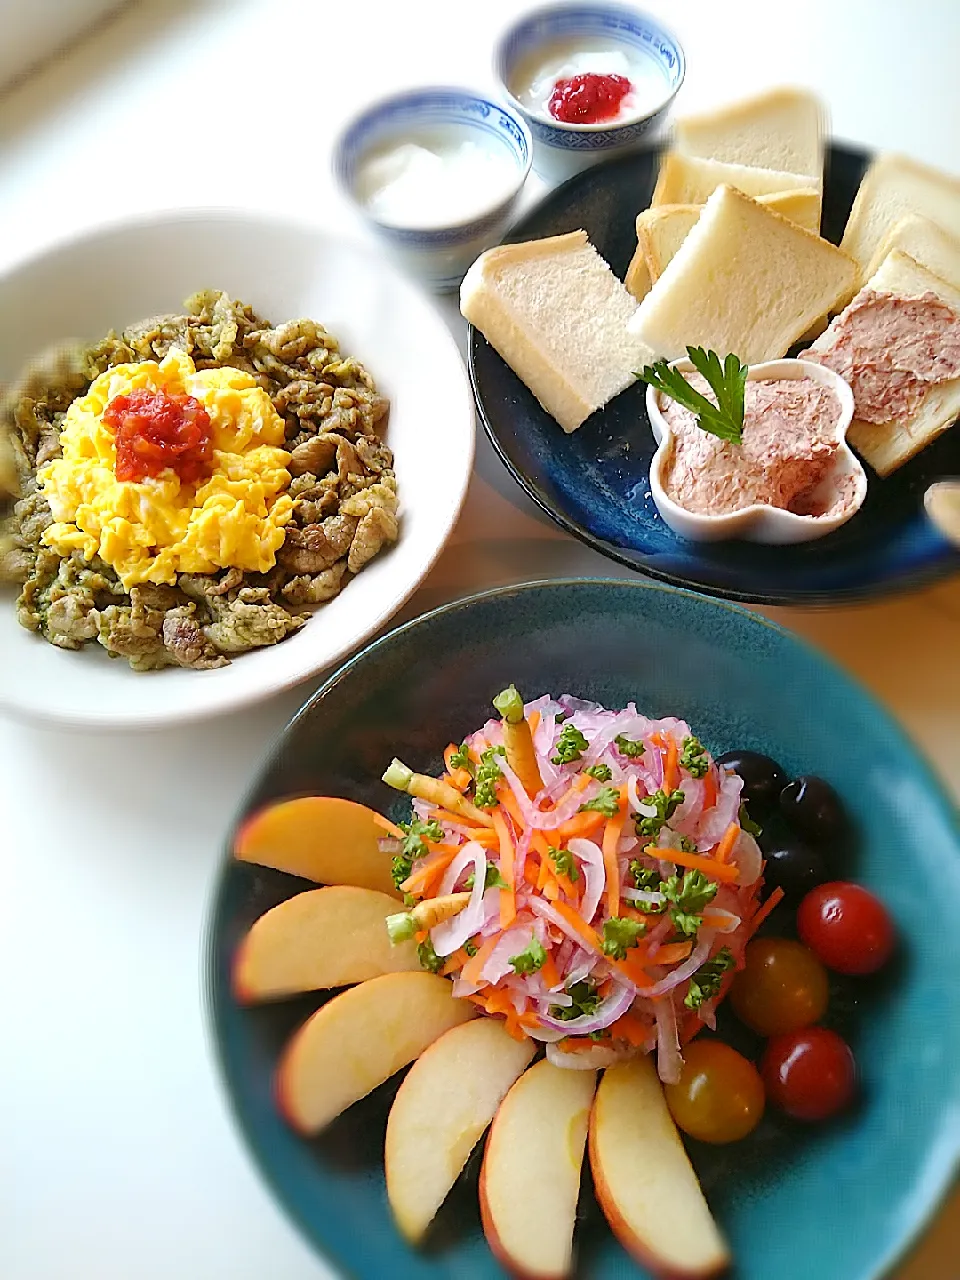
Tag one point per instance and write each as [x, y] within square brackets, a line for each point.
[338, 475]
[586, 874]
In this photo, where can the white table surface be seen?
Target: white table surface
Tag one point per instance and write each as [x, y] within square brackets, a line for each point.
[118, 1159]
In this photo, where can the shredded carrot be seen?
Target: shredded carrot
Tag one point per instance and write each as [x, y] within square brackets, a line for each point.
[391, 828]
[472, 969]
[529, 1020]
[631, 913]
[581, 824]
[531, 872]
[509, 802]
[508, 896]
[539, 843]
[629, 1027]
[460, 778]
[729, 839]
[671, 767]
[721, 871]
[549, 972]
[633, 971]
[710, 790]
[448, 751]
[672, 952]
[567, 886]
[534, 721]
[483, 835]
[551, 890]
[514, 1028]
[437, 861]
[575, 1045]
[579, 925]
[765, 910]
[611, 838]
[453, 962]
[544, 873]
[421, 935]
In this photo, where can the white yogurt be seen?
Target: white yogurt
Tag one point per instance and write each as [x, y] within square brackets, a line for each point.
[434, 180]
[534, 80]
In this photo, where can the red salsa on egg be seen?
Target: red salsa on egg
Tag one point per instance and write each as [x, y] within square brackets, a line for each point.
[588, 98]
[154, 431]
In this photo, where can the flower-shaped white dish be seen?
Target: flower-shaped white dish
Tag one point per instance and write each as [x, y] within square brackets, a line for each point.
[840, 494]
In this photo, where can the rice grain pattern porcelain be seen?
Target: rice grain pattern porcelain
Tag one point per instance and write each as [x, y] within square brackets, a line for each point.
[437, 255]
[762, 522]
[563, 149]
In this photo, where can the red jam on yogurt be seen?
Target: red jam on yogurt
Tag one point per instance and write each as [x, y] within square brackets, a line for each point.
[589, 98]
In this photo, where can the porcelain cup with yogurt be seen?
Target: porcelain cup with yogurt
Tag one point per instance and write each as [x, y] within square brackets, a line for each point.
[436, 173]
[560, 41]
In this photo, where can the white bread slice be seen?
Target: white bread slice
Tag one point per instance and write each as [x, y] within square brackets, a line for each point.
[779, 129]
[662, 229]
[893, 186]
[691, 180]
[926, 243]
[558, 315]
[745, 280]
[888, 445]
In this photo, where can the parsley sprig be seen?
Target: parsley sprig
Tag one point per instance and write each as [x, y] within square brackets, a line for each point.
[705, 983]
[488, 775]
[619, 934]
[606, 801]
[727, 381]
[415, 833]
[565, 863]
[492, 878]
[586, 999]
[570, 745]
[530, 959]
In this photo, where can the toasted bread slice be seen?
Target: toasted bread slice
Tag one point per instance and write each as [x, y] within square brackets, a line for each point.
[779, 129]
[892, 187]
[692, 180]
[926, 243]
[888, 445]
[745, 280]
[558, 315]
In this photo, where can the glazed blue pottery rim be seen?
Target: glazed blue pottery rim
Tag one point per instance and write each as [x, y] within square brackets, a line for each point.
[870, 1183]
[595, 482]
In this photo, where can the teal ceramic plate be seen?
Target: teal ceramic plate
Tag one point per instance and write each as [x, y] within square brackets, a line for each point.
[838, 1202]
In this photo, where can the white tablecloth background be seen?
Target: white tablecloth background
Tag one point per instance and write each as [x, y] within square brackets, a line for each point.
[117, 1156]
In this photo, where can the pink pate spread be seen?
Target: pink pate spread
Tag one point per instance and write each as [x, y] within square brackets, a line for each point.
[789, 446]
[891, 350]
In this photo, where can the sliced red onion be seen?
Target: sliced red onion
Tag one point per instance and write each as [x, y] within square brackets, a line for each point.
[451, 934]
[581, 967]
[683, 971]
[643, 895]
[657, 934]
[748, 858]
[546, 1035]
[593, 1059]
[520, 856]
[543, 909]
[572, 706]
[609, 1010]
[669, 1061]
[590, 856]
[491, 914]
[532, 816]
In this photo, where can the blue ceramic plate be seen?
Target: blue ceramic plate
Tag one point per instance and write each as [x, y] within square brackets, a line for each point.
[839, 1201]
[594, 483]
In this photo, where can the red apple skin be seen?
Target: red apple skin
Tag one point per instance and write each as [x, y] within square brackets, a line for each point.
[620, 1228]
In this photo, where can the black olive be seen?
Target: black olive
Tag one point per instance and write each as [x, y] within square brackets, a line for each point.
[763, 779]
[813, 807]
[795, 866]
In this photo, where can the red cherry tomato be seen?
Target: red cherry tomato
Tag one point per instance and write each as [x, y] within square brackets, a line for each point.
[849, 929]
[719, 1096]
[809, 1074]
[782, 987]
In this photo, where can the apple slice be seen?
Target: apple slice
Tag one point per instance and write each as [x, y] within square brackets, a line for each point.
[321, 838]
[530, 1179]
[644, 1181]
[359, 1039]
[449, 1097]
[322, 938]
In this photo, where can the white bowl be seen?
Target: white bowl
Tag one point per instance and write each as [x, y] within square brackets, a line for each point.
[762, 522]
[107, 279]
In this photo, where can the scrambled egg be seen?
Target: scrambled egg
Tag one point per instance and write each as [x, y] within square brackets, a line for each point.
[154, 529]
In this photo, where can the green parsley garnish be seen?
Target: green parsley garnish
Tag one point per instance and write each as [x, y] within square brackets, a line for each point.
[413, 847]
[488, 775]
[606, 801]
[585, 997]
[470, 948]
[602, 772]
[727, 381]
[565, 863]
[460, 759]
[570, 745]
[693, 757]
[747, 823]
[428, 957]
[530, 959]
[689, 896]
[620, 933]
[627, 747]
[687, 845]
[665, 805]
[705, 983]
[492, 878]
[644, 877]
